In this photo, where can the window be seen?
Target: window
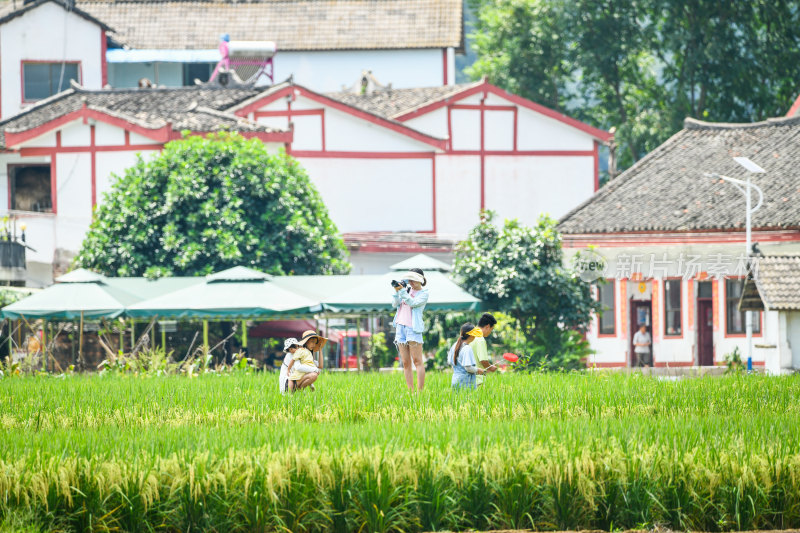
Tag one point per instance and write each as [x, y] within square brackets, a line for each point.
[735, 319]
[704, 289]
[30, 188]
[196, 71]
[606, 317]
[672, 307]
[40, 80]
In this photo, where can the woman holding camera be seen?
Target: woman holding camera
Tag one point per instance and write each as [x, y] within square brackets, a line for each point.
[409, 299]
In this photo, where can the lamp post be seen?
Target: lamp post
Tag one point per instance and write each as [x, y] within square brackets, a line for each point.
[745, 186]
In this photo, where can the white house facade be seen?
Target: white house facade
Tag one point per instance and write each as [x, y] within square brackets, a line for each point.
[672, 241]
[58, 157]
[401, 171]
[43, 46]
[323, 45]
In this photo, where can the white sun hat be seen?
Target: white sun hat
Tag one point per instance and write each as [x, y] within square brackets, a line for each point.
[288, 343]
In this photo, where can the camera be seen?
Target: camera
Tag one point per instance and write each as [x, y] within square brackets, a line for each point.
[400, 283]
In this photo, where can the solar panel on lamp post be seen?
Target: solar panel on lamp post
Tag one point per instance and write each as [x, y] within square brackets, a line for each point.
[745, 186]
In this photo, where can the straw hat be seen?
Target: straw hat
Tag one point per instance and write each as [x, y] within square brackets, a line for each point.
[311, 334]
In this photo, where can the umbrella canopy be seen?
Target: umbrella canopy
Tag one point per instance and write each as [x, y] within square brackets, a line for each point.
[425, 262]
[231, 294]
[79, 292]
[373, 293]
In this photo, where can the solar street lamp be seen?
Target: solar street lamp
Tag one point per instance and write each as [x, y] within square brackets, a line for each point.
[745, 186]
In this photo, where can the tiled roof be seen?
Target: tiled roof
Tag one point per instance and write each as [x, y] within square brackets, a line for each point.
[293, 25]
[396, 102]
[777, 279]
[667, 191]
[190, 108]
[390, 241]
[12, 10]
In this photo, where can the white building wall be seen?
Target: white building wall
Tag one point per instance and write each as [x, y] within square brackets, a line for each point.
[522, 186]
[325, 71]
[433, 123]
[330, 70]
[539, 132]
[47, 33]
[458, 182]
[681, 350]
[375, 194]
[372, 263]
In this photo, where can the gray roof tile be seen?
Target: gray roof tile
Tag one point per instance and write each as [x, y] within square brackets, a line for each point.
[392, 103]
[667, 191]
[777, 279]
[189, 108]
[293, 25]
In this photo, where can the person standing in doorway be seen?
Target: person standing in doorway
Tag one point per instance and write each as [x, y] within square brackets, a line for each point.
[410, 297]
[486, 324]
[641, 346]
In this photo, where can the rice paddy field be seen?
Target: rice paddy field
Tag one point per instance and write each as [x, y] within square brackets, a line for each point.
[539, 451]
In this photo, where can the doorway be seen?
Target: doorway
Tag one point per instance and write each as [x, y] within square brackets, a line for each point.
[640, 314]
[793, 336]
[705, 332]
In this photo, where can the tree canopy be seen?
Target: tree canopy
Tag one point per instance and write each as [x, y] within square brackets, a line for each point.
[642, 66]
[206, 204]
[521, 271]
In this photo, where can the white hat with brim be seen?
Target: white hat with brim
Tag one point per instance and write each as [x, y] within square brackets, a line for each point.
[288, 343]
[412, 276]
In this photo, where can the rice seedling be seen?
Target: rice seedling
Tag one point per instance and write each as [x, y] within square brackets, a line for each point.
[227, 452]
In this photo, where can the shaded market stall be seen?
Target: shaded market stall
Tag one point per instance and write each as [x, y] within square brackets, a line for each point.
[236, 295]
[79, 295]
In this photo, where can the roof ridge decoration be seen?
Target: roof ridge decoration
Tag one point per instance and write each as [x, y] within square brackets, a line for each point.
[690, 123]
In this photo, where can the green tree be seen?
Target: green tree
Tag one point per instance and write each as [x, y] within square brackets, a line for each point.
[206, 204]
[642, 66]
[520, 271]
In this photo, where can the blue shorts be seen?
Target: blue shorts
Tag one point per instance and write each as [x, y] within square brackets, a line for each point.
[405, 334]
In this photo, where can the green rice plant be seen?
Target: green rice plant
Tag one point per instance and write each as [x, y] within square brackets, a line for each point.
[435, 500]
[227, 452]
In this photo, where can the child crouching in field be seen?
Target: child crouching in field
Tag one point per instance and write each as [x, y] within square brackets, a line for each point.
[301, 370]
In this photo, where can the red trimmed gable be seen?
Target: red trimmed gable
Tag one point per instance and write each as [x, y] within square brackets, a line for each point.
[257, 103]
[486, 88]
[795, 107]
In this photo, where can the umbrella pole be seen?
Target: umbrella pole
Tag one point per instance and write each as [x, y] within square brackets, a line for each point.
[345, 346]
[358, 343]
[163, 338]
[205, 336]
[80, 344]
[133, 334]
[325, 348]
[44, 345]
[244, 336]
[121, 336]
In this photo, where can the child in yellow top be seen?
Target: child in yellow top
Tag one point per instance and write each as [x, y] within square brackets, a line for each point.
[302, 356]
